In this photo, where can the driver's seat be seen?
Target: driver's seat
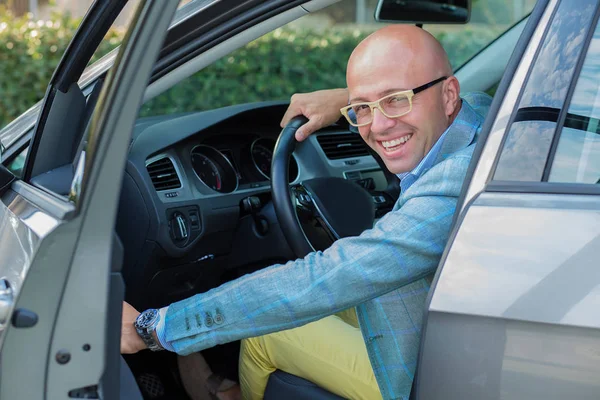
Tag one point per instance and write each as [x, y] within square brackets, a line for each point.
[282, 385]
[291, 387]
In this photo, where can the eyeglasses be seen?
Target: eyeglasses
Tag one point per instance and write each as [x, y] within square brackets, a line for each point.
[392, 106]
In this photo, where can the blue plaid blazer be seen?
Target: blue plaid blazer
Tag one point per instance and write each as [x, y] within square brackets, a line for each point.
[385, 273]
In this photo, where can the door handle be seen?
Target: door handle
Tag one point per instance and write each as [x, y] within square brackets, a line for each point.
[6, 301]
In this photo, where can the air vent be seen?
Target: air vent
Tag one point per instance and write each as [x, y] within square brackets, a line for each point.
[340, 146]
[163, 174]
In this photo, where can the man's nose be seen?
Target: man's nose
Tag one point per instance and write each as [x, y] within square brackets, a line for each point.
[381, 123]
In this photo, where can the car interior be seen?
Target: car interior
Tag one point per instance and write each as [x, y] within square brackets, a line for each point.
[196, 207]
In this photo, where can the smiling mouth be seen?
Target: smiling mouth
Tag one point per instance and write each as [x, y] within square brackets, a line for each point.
[395, 144]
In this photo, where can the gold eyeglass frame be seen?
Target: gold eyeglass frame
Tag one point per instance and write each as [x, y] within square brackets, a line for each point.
[377, 103]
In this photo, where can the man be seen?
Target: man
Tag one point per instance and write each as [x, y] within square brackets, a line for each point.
[405, 103]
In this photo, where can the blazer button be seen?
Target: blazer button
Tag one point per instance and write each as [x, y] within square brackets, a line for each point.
[219, 318]
[208, 320]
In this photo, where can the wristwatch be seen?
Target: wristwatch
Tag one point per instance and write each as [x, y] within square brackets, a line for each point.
[145, 325]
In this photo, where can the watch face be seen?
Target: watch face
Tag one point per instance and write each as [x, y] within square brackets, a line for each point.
[146, 319]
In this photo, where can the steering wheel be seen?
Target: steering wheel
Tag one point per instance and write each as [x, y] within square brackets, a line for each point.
[338, 207]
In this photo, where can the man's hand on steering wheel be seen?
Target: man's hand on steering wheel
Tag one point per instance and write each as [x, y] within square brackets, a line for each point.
[322, 108]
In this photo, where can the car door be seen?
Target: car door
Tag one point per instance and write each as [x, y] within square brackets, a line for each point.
[61, 292]
[513, 310]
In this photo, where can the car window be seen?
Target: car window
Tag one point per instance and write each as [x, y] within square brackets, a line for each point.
[530, 138]
[17, 164]
[311, 54]
[577, 157]
[33, 46]
[38, 43]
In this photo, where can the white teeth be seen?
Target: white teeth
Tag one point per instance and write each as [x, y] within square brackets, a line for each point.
[393, 143]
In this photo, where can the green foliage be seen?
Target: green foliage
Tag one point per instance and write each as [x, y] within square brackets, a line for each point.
[272, 67]
[285, 62]
[29, 52]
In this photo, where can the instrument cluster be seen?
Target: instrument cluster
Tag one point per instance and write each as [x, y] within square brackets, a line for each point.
[223, 170]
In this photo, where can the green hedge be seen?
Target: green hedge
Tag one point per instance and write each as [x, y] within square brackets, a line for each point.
[270, 68]
[284, 62]
[29, 52]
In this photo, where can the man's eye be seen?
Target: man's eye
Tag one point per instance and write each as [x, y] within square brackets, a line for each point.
[396, 99]
[361, 110]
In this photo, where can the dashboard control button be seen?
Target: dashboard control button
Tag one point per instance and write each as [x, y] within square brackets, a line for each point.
[378, 199]
[367, 183]
[194, 220]
[179, 228]
[352, 175]
[304, 198]
[252, 205]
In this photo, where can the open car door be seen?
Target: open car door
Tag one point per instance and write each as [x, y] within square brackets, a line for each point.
[60, 283]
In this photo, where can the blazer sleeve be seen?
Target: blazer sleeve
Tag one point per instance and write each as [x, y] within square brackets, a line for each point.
[404, 246]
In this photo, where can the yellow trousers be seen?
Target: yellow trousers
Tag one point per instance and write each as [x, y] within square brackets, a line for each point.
[330, 352]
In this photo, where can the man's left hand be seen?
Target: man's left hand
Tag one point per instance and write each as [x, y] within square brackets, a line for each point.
[131, 342]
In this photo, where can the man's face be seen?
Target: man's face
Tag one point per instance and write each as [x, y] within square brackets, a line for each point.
[404, 141]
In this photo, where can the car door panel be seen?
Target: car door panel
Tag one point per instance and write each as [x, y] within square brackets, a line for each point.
[512, 311]
[489, 141]
[97, 191]
[32, 229]
[23, 227]
[65, 247]
[512, 315]
[521, 238]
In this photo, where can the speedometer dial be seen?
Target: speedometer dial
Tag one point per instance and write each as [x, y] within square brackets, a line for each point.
[261, 152]
[214, 169]
[262, 156]
[207, 171]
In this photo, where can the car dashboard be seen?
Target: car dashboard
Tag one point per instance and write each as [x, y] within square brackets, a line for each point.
[197, 187]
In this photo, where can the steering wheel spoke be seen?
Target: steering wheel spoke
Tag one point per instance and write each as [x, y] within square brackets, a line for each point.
[311, 218]
[317, 212]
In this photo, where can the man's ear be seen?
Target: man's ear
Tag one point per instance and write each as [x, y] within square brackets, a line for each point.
[451, 95]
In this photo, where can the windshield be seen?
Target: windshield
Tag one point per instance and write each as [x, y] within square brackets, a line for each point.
[314, 48]
[310, 54]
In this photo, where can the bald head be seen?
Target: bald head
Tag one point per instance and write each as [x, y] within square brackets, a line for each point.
[403, 47]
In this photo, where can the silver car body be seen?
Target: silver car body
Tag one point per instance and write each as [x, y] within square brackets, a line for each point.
[513, 312]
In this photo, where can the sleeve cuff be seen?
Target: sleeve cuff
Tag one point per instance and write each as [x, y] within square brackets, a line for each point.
[161, 332]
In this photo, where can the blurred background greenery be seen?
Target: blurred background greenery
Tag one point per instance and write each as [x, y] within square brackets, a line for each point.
[284, 62]
[307, 55]
[30, 51]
